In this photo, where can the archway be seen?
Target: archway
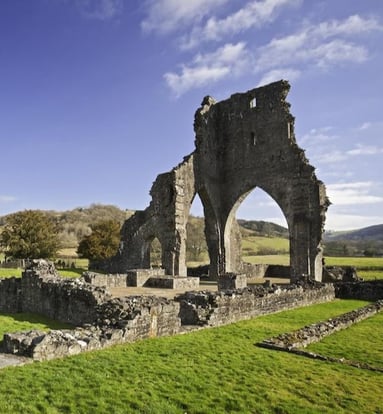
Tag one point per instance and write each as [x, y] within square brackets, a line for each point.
[264, 229]
[196, 246]
[155, 253]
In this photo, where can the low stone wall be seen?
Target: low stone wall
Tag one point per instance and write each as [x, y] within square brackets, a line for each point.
[106, 321]
[41, 290]
[316, 332]
[120, 320]
[173, 282]
[139, 277]
[370, 290]
[105, 280]
[219, 308]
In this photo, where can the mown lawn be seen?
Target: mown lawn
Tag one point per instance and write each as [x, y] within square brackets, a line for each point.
[351, 343]
[216, 370]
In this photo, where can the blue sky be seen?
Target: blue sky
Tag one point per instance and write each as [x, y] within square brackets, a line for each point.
[97, 97]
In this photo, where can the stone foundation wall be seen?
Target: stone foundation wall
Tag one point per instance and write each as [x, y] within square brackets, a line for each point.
[259, 271]
[105, 280]
[120, 320]
[106, 321]
[316, 332]
[370, 290]
[220, 308]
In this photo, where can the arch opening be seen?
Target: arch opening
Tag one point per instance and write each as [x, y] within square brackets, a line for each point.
[196, 246]
[155, 253]
[256, 225]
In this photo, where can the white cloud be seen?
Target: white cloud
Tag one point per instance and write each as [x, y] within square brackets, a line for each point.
[365, 150]
[99, 9]
[351, 26]
[355, 193]
[164, 16]
[316, 135]
[278, 74]
[330, 157]
[253, 14]
[228, 60]
[319, 45]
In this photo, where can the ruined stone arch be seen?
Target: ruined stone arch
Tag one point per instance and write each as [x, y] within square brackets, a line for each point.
[243, 142]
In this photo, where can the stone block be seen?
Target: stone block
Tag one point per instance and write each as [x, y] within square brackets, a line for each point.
[231, 281]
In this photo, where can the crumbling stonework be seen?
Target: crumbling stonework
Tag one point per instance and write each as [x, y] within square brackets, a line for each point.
[103, 321]
[244, 142]
[41, 290]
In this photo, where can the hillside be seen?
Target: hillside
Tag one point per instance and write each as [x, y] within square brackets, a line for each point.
[366, 233]
[367, 241]
[258, 237]
[75, 224]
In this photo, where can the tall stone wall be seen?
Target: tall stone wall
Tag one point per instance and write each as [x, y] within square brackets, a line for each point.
[241, 143]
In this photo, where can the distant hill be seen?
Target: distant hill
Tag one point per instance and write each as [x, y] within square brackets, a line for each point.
[75, 224]
[371, 233]
[264, 228]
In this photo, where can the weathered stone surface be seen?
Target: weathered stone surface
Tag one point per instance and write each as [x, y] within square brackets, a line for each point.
[232, 281]
[219, 308]
[340, 274]
[371, 290]
[105, 280]
[241, 143]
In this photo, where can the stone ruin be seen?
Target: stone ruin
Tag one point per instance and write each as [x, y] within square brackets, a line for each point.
[99, 320]
[241, 143]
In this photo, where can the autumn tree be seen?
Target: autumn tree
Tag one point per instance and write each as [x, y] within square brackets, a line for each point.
[30, 234]
[102, 243]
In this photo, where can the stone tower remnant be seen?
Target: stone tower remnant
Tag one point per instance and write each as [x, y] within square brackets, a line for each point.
[241, 143]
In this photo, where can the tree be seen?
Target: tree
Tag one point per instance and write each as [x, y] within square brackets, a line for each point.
[196, 241]
[30, 234]
[102, 243]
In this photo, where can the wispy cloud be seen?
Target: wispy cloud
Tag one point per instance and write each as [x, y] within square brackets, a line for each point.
[253, 14]
[6, 199]
[278, 74]
[354, 193]
[365, 150]
[99, 9]
[164, 16]
[320, 45]
[230, 59]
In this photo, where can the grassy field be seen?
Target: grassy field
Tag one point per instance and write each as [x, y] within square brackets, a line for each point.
[351, 343]
[211, 371]
[252, 245]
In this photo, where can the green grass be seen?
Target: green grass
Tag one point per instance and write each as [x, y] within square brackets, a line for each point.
[64, 273]
[277, 259]
[361, 342]
[367, 263]
[27, 321]
[253, 244]
[210, 371]
[10, 272]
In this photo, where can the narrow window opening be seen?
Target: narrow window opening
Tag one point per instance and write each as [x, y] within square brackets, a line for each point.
[253, 139]
[253, 103]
